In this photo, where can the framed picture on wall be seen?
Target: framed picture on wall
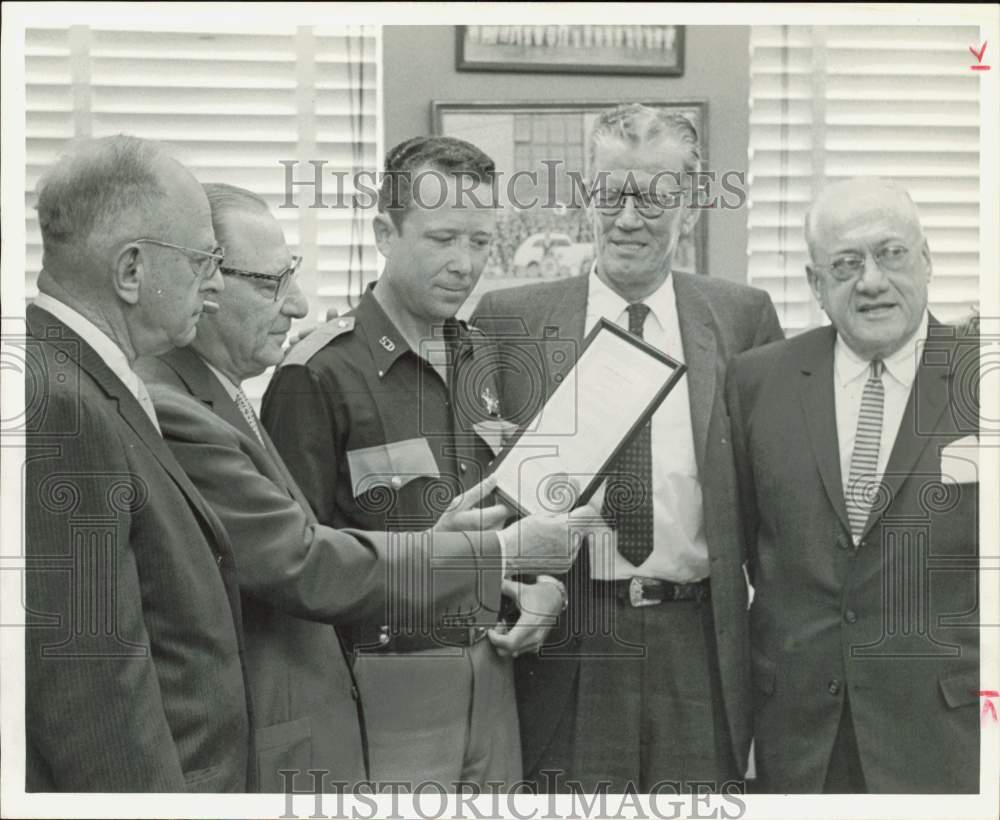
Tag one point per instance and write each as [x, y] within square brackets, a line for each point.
[545, 231]
[572, 49]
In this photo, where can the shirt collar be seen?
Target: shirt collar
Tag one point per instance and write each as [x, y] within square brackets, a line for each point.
[602, 301]
[385, 341]
[901, 365]
[104, 346]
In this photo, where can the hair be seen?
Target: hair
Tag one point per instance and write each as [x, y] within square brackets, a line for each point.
[444, 154]
[842, 188]
[226, 199]
[97, 191]
[634, 124]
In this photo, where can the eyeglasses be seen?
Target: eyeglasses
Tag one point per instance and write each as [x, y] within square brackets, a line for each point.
[648, 204]
[206, 267]
[282, 279]
[888, 258]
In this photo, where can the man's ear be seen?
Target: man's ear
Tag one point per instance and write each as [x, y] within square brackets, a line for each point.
[129, 270]
[925, 252]
[386, 233]
[813, 278]
[689, 220]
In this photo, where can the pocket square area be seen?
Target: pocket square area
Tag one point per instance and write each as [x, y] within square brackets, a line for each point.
[960, 461]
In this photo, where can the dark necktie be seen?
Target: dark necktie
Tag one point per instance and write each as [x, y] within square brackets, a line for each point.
[628, 497]
[859, 492]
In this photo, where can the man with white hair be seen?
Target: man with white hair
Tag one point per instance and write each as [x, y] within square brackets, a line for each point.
[663, 695]
[134, 675]
[856, 451]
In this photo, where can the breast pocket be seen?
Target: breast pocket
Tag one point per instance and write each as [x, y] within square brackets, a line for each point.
[378, 473]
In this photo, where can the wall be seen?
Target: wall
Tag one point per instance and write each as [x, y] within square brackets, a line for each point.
[419, 66]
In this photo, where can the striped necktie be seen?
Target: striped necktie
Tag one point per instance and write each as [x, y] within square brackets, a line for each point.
[247, 410]
[628, 498]
[859, 492]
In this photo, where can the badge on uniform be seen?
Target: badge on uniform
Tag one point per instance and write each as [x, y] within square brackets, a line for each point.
[490, 400]
[387, 343]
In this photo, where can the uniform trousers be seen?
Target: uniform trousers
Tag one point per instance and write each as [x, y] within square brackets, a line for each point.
[445, 715]
[648, 706]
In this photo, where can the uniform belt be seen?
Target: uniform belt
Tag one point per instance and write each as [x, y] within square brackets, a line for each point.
[639, 591]
[373, 640]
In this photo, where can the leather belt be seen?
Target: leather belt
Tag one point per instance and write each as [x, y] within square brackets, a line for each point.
[639, 591]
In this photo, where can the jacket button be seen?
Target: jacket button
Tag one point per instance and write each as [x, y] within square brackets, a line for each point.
[462, 467]
[383, 636]
[396, 482]
[843, 542]
[850, 616]
[834, 687]
[218, 560]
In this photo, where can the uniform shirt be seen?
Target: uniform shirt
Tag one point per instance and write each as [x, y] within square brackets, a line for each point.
[850, 372]
[104, 347]
[680, 549]
[370, 430]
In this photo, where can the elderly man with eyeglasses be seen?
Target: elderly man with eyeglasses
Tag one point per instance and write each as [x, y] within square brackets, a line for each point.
[134, 677]
[301, 579]
[857, 456]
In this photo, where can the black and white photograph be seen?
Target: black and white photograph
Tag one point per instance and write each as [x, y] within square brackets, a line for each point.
[496, 412]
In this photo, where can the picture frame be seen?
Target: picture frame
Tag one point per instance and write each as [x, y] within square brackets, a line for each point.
[579, 49]
[545, 241]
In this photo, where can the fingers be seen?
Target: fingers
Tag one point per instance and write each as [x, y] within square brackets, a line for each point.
[492, 518]
[474, 495]
[516, 642]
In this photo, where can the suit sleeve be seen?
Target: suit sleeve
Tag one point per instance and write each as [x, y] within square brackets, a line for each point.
[312, 571]
[297, 415]
[94, 710]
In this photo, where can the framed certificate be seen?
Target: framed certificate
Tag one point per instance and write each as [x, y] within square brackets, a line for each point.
[557, 461]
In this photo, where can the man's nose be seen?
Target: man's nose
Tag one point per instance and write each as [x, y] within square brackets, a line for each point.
[461, 259]
[628, 218]
[873, 278]
[294, 304]
[214, 283]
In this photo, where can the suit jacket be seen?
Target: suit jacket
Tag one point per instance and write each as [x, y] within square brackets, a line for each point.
[134, 678]
[891, 623]
[298, 577]
[718, 319]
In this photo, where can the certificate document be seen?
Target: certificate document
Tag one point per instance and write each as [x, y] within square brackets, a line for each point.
[557, 461]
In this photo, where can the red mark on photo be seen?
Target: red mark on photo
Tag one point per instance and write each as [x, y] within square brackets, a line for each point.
[989, 710]
[979, 57]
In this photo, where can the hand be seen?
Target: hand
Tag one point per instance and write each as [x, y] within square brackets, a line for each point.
[546, 543]
[540, 604]
[465, 515]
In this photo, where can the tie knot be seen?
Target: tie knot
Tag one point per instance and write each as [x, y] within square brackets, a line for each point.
[637, 313]
[877, 368]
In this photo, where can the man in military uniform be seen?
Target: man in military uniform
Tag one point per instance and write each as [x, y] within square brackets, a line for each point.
[387, 413]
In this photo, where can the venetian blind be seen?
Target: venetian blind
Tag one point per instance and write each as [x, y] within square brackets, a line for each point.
[232, 106]
[829, 103]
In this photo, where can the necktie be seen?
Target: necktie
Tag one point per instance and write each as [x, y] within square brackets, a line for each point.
[861, 485]
[145, 402]
[628, 498]
[247, 410]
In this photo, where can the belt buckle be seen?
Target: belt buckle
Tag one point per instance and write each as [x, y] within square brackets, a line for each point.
[635, 594]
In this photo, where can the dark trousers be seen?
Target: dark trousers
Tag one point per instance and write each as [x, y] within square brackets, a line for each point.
[647, 704]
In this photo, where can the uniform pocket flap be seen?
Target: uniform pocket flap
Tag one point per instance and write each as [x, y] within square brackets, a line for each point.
[765, 671]
[960, 688]
[393, 465]
[495, 432]
[283, 734]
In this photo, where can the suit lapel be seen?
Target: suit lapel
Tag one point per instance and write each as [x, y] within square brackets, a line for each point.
[698, 337]
[128, 408]
[568, 313]
[820, 410]
[927, 401]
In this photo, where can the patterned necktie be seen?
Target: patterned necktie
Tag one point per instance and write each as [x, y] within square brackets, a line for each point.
[859, 492]
[247, 410]
[628, 497]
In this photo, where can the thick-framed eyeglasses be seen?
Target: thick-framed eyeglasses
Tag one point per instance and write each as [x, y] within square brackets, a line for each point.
[648, 204]
[208, 262]
[890, 258]
[282, 280]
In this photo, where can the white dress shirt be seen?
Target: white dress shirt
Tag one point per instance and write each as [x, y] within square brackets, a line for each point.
[104, 346]
[850, 372]
[680, 551]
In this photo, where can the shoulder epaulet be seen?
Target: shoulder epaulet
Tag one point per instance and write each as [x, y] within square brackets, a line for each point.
[303, 351]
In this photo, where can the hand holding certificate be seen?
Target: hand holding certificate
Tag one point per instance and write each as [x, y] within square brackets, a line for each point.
[558, 460]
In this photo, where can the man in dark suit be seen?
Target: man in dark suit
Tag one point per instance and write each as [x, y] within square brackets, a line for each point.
[857, 465]
[298, 576]
[134, 678]
[661, 695]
